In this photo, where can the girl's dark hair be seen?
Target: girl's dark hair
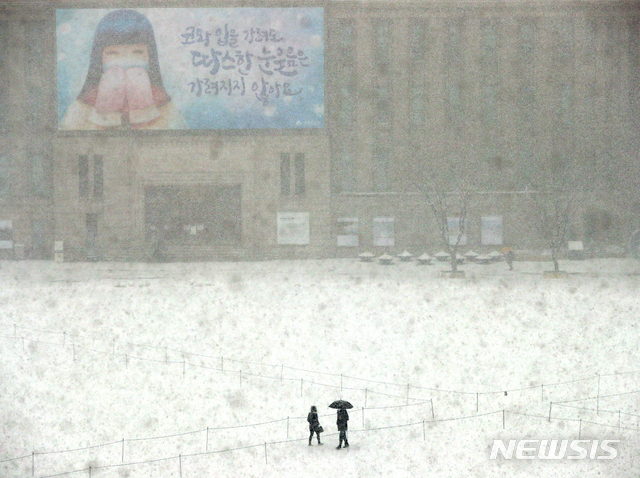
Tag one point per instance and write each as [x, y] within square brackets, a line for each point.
[313, 408]
[122, 27]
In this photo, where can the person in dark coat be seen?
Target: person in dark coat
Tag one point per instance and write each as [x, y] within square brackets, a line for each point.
[509, 256]
[314, 424]
[343, 418]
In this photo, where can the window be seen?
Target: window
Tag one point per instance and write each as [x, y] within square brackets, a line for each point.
[381, 159]
[418, 29]
[565, 106]
[83, 175]
[285, 174]
[418, 105]
[383, 231]
[453, 43]
[4, 83]
[491, 230]
[454, 105]
[382, 46]
[527, 32]
[299, 174]
[299, 183]
[383, 104]
[490, 104]
[343, 174]
[39, 178]
[6, 175]
[345, 78]
[35, 64]
[98, 181]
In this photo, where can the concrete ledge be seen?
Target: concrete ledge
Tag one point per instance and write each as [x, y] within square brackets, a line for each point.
[453, 275]
[555, 275]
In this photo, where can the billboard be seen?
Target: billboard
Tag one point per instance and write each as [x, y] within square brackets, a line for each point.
[190, 68]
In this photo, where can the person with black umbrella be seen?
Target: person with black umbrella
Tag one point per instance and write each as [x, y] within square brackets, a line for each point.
[343, 418]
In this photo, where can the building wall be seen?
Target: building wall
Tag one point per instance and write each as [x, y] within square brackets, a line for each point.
[496, 93]
[499, 93]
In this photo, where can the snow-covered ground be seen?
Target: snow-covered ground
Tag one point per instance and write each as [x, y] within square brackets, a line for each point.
[202, 370]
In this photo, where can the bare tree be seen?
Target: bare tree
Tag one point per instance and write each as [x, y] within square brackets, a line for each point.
[554, 209]
[446, 203]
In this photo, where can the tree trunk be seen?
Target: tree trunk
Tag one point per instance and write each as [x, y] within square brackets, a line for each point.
[454, 262]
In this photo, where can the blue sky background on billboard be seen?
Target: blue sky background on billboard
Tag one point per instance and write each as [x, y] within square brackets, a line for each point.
[222, 68]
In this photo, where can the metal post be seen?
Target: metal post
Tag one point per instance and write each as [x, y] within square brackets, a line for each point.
[424, 431]
[287, 428]
[408, 385]
[123, 450]
[265, 452]
[477, 402]
[542, 393]
[33, 463]
[207, 446]
[433, 416]
[550, 405]
[598, 397]
[180, 461]
[503, 420]
[365, 397]
[580, 430]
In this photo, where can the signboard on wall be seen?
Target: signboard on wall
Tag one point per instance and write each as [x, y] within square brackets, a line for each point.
[348, 230]
[491, 230]
[293, 228]
[6, 234]
[190, 68]
[383, 231]
[453, 224]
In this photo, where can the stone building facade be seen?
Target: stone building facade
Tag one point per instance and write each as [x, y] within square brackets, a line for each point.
[495, 93]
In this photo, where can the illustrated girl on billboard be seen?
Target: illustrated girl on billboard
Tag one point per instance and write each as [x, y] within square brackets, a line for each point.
[123, 88]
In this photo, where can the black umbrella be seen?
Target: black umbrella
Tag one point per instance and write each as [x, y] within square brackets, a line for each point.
[340, 404]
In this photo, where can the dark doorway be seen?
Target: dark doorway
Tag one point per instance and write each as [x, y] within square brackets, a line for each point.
[196, 215]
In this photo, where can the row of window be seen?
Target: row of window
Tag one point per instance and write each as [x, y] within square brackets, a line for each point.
[384, 231]
[601, 37]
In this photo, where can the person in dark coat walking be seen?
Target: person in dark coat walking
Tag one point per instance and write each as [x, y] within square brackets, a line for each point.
[343, 418]
[509, 256]
[314, 424]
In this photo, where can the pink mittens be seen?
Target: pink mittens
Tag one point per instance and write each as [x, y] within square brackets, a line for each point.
[121, 91]
[142, 109]
[110, 99]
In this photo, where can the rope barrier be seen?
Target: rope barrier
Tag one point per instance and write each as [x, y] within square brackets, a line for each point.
[262, 364]
[421, 422]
